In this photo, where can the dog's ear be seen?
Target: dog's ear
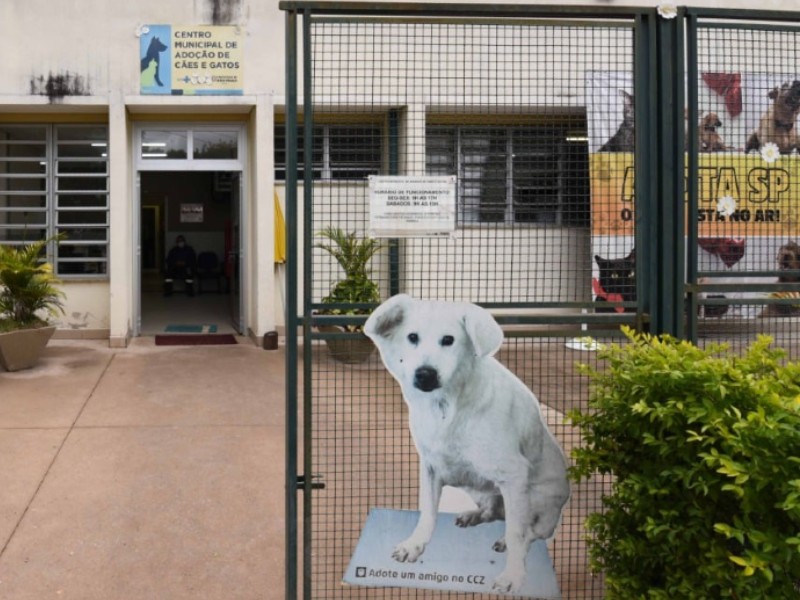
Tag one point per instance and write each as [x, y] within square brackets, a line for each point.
[387, 317]
[773, 94]
[482, 329]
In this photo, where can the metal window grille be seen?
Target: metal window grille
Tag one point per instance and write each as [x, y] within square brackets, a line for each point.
[341, 152]
[81, 199]
[514, 174]
[24, 178]
[54, 180]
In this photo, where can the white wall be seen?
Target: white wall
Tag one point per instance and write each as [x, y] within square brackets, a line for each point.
[533, 264]
[85, 309]
[96, 40]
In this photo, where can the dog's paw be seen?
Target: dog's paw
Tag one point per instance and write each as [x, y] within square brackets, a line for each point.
[470, 518]
[508, 583]
[499, 545]
[408, 551]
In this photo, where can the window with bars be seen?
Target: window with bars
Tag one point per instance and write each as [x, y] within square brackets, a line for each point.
[341, 152]
[535, 174]
[54, 180]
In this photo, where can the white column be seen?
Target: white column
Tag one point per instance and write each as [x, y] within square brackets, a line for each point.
[262, 269]
[120, 250]
[412, 140]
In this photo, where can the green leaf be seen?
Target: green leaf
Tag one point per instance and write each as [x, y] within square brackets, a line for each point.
[739, 561]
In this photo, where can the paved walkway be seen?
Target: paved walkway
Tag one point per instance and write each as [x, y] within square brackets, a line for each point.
[143, 473]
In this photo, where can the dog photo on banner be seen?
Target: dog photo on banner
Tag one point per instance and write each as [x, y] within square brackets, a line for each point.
[478, 430]
[748, 163]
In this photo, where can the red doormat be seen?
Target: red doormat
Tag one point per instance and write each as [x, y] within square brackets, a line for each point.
[195, 339]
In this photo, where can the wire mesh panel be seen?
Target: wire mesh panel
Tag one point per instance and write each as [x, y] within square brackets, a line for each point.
[534, 119]
[513, 110]
[748, 184]
[363, 449]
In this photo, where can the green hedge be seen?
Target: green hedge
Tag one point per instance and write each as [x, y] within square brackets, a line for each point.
[704, 450]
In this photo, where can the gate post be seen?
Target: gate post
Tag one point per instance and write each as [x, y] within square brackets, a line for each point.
[660, 185]
[692, 149]
[291, 308]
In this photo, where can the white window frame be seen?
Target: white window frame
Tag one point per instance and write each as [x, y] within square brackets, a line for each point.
[190, 163]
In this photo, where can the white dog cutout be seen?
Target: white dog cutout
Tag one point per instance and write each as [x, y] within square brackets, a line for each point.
[475, 425]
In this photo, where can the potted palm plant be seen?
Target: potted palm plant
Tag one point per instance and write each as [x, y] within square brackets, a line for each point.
[353, 255]
[28, 292]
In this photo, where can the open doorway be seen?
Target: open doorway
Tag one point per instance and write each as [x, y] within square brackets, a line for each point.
[201, 209]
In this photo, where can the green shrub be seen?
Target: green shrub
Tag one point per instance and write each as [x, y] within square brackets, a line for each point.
[353, 255]
[704, 452]
[28, 287]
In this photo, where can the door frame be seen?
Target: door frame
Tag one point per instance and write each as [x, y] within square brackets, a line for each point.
[159, 241]
[187, 165]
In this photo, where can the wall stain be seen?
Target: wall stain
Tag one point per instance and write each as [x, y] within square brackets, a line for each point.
[80, 320]
[224, 12]
[57, 87]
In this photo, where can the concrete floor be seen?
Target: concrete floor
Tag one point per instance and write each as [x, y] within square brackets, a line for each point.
[179, 309]
[146, 472]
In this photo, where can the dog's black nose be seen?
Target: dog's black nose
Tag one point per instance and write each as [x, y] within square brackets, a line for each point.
[426, 379]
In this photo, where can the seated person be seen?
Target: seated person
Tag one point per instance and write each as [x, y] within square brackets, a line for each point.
[180, 265]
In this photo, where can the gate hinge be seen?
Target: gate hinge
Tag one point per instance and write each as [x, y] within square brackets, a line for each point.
[315, 485]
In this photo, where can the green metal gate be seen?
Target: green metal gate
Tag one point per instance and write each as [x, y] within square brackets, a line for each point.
[570, 223]
[743, 64]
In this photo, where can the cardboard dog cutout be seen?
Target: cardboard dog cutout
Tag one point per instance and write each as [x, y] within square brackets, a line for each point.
[476, 427]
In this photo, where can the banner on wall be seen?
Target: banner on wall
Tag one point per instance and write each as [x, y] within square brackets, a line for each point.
[184, 60]
[748, 193]
[739, 195]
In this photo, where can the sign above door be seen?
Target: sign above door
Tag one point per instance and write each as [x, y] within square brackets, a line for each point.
[182, 60]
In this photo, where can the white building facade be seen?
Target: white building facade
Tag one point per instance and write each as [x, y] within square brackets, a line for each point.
[92, 147]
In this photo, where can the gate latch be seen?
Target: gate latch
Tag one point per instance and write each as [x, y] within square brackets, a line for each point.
[316, 483]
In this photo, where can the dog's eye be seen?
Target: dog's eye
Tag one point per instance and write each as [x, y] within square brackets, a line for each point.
[447, 340]
[413, 338]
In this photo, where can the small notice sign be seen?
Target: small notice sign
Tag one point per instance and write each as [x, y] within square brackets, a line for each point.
[412, 206]
[457, 559]
[191, 213]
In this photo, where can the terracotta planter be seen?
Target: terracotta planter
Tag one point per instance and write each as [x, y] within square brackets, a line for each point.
[350, 351]
[21, 349]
